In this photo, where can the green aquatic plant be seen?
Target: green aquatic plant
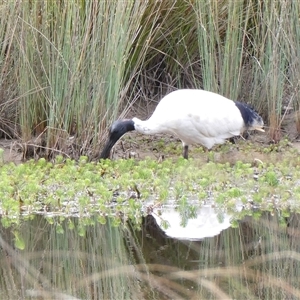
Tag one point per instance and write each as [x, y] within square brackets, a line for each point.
[164, 224]
[186, 210]
[59, 159]
[204, 182]
[202, 194]
[163, 194]
[220, 198]
[234, 192]
[18, 240]
[59, 228]
[271, 178]
[70, 224]
[102, 219]
[69, 187]
[173, 149]
[179, 189]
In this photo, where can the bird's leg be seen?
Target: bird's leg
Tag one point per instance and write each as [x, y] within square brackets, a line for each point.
[210, 155]
[185, 151]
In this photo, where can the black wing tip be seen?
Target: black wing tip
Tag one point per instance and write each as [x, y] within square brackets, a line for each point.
[250, 115]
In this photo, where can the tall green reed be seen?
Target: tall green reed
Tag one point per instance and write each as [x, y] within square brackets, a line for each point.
[270, 39]
[73, 67]
[75, 57]
[248, 50]
[8, 54]
[221, 33]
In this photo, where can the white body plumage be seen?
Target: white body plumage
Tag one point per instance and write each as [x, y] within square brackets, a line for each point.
[195, 117]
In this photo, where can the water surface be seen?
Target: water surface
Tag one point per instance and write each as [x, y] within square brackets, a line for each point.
[82, 259]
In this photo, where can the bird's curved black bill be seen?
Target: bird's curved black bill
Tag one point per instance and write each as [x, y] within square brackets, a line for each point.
[107, 148]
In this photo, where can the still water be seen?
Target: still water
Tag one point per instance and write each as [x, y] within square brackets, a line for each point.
[71, 258]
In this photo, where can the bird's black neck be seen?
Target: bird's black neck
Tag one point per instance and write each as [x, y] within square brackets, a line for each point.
[117, 130]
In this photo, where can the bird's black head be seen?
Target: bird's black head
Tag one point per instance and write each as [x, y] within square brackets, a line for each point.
[117, 130]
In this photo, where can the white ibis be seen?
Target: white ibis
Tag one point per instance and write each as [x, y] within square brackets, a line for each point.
[194, 116]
